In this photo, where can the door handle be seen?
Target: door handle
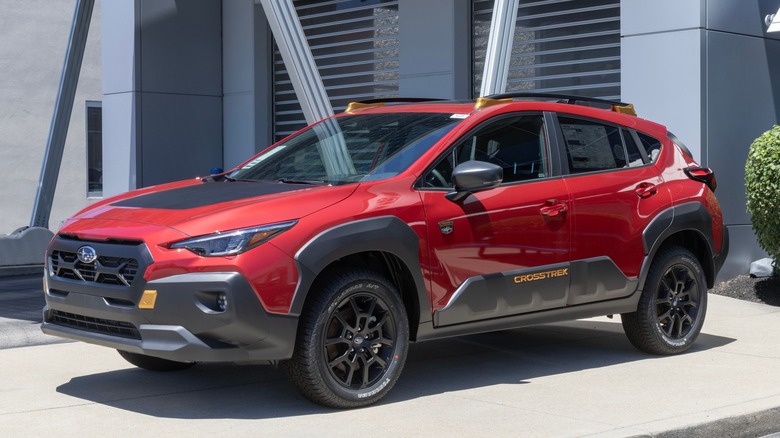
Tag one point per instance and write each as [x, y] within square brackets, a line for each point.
[553, 208]
[646, 190]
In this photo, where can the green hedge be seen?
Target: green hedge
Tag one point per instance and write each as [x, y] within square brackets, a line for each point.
[762, 185]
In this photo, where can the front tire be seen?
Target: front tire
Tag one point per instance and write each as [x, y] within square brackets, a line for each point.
[153, 363]
[352, 341]
[672, 307]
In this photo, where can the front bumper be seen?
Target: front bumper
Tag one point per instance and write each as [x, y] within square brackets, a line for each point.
[184, 324]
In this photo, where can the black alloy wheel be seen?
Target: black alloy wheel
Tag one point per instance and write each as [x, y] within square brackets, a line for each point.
[359, 341]
[677, 303]
[672, 306]
[352, 341]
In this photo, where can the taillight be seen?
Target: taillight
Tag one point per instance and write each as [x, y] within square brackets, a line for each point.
[702, 174]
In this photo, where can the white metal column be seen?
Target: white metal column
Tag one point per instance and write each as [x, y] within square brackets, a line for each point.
[298, 59]
[499, 47]
[63, 108]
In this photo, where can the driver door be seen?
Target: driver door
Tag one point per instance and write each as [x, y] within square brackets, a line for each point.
[502, 251]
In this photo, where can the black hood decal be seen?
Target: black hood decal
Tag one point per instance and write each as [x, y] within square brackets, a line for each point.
[204, 194]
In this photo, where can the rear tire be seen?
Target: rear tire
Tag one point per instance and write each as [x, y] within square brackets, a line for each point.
[672, 307]
[153, 363]
[352, 341]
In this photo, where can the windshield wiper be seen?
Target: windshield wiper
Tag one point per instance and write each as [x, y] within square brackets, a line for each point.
[302, 181]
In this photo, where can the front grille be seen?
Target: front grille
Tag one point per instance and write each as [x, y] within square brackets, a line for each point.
[95, 325]
[106, 269]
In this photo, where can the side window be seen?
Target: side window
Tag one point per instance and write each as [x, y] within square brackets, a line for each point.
[592, 146]
[634, 156]
[517, 144]
[652, 146]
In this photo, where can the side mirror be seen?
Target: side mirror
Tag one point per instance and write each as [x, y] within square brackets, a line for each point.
[473, 176]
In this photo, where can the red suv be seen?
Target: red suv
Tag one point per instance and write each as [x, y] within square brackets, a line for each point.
[333, 249]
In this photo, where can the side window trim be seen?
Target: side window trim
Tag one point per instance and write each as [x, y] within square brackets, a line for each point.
[550, 150]
[625, 147]
[554, 143]
[561, 145]
[640, 145]
[628, 132]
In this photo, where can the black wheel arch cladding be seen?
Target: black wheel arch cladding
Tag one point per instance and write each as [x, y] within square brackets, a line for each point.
[686, 217]
[387, 234]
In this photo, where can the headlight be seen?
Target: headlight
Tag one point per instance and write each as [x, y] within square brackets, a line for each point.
[232, 242]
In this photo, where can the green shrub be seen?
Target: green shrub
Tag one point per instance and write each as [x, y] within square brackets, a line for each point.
[762, 186]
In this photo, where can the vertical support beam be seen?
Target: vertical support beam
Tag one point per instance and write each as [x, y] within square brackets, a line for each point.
[58, 131]
[499, 47]
[298, 59]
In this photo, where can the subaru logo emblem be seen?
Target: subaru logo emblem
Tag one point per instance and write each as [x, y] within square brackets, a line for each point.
[86, 254]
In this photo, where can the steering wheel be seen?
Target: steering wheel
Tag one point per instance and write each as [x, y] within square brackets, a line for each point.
[436, 179]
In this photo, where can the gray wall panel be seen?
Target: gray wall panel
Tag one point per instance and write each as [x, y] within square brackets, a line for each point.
[740, 16]
[179, 144]
[181, 46]
[743, 251]
[640, 17]
[263, 75]
[239, 133]
[119, 54]
[247, 58]
[662, 76]
[434, 41]
[163, 103]
[741, 106]
[120, 82]
[119, 143]
[238, 24]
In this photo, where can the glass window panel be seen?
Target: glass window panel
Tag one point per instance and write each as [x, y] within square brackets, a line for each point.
[94, 149]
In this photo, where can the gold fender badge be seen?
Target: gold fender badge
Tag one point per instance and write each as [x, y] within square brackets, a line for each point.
[542, 275]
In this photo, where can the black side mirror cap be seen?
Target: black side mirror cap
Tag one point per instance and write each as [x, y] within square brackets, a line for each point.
[473, 176]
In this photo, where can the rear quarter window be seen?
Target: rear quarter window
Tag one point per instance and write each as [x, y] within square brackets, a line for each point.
[652, 146]
[592, 146]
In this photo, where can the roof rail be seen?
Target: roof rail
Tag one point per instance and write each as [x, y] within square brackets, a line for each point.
[614, 105]
[354, 106]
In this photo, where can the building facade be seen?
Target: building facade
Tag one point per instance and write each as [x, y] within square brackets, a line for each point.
[33, 41]
[192, 85]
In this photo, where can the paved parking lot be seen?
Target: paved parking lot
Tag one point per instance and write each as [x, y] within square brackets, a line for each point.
[21, 301]
[580, 378]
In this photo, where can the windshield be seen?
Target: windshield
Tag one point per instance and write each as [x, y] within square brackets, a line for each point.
[348, 149]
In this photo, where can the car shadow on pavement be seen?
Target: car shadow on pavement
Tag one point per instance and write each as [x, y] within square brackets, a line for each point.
[214, 391]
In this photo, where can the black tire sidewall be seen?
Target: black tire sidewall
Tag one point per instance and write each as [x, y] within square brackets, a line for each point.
[372, 285]
[675, 257]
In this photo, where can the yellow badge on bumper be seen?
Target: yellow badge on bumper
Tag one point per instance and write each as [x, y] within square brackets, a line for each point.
[148, 299]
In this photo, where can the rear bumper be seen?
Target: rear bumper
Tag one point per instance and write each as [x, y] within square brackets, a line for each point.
[184, 324]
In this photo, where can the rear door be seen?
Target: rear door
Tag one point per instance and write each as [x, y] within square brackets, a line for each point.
[615, 191]
[502, 251]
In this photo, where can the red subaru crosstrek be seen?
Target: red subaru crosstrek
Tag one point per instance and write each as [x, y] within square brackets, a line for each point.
[333, 249]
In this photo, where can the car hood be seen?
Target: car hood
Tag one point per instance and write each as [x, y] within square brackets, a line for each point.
[206, 207]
